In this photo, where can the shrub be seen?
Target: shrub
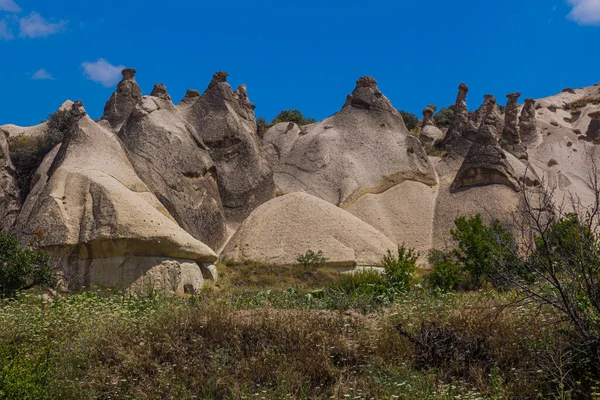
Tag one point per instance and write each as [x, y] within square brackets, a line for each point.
[28, 152]
[400, 269]
[21, 268]
[410, 120]
[262, 126]
[446, 274]
[444, 116]
[292, 116]
[312, 259]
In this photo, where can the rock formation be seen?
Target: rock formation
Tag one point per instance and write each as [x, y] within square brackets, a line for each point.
[527, 122]
[10, 199]
[429, 131]
[122, 102]
[364, 148]
[593, 132]
[89, 207]
[510, 135]
[225, 122]
[460, 119]
[284, 228]
[169, 156]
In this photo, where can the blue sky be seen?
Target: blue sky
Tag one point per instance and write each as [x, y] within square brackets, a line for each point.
[305, 55]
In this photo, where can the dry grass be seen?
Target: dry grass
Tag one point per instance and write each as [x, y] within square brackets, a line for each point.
[580, 103]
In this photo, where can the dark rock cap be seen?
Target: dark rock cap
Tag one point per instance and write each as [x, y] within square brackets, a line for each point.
[160, 90]
[128, 73]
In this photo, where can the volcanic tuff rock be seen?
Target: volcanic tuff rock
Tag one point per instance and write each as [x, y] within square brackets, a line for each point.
[460, 119]
[364, 148]
[511, 139]
[169, 156]
[225, 122]
[89, 207]
[279, 231]
[593, 132]
[429, 132]
[527, 122]
[10, 199]
[122, 102]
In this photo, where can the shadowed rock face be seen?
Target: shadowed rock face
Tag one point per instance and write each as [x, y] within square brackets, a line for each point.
[172, 160]
[364, 148]
[429, 131]
[225, 122]
[122, 102]
[527, 121]
[89, 208]
[593, 132]
[511, 120]
[10, 202]
[460, 119]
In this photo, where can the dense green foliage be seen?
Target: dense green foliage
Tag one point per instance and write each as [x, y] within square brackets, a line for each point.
[28, 152]
[21, 268]
[446, 274]
[444, 116]
[410, 120]
[294, 116]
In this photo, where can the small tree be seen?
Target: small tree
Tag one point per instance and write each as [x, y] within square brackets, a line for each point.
[444, 116]
[21, 268]
[446, 274]
[400, 268]
[294, 116]
[410, 120]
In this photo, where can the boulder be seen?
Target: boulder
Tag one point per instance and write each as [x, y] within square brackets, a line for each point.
[89, 208]
[364, 148]
[281, 230]
[169, 156]
[429, 131]
[225, 122]
[122, 101]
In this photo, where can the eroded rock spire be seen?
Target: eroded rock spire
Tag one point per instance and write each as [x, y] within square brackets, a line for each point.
[123, 100]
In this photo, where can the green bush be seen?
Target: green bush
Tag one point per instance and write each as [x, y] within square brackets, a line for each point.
[446, 274]
[410, 120]
[294, 116]
[21, 268]
[400, 269]
[444, 116]
[312, 259]
[262, 126]
[28, 152]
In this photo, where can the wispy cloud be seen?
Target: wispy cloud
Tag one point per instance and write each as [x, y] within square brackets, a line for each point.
[5, 32]
[34, 26]
[42, 75]
[103, 72]
[9, 6]
[585, 12]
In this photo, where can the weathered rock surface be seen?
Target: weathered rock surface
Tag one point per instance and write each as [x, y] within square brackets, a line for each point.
[169, 156]
[364, 148]
[460, 119]
[122, 102]
[279, 231]
[10, 198]
[527, 122]
[593, 131]
[510, 135]
[429, 131]
[225, 122]
[89, 207]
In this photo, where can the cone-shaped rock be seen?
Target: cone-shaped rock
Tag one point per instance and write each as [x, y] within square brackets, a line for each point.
[122, 102]
[460, 119]
[279, 231]
[364, 148]
[92, 211]
[225, 122]
[172, 160]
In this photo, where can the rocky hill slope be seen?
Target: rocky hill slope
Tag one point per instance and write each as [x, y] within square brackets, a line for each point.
[150, 195]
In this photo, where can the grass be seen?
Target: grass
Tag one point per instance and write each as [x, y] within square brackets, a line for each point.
[319, 338]
[580, 103]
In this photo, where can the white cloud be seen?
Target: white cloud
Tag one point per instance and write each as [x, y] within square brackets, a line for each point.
[5, 32]
[34, 26]
[585, 12]
[42, 75]
[103, 72]
[9, 6]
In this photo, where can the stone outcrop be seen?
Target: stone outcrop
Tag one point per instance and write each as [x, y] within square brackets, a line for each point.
[511, 139]
[10, 198]
[279, 231]
[225, 122]
[122, 102]
[593, 131]
[460, 119]
[364, 148]
[89, 208]
[169, 156]
[527, 122]
[429, 130]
